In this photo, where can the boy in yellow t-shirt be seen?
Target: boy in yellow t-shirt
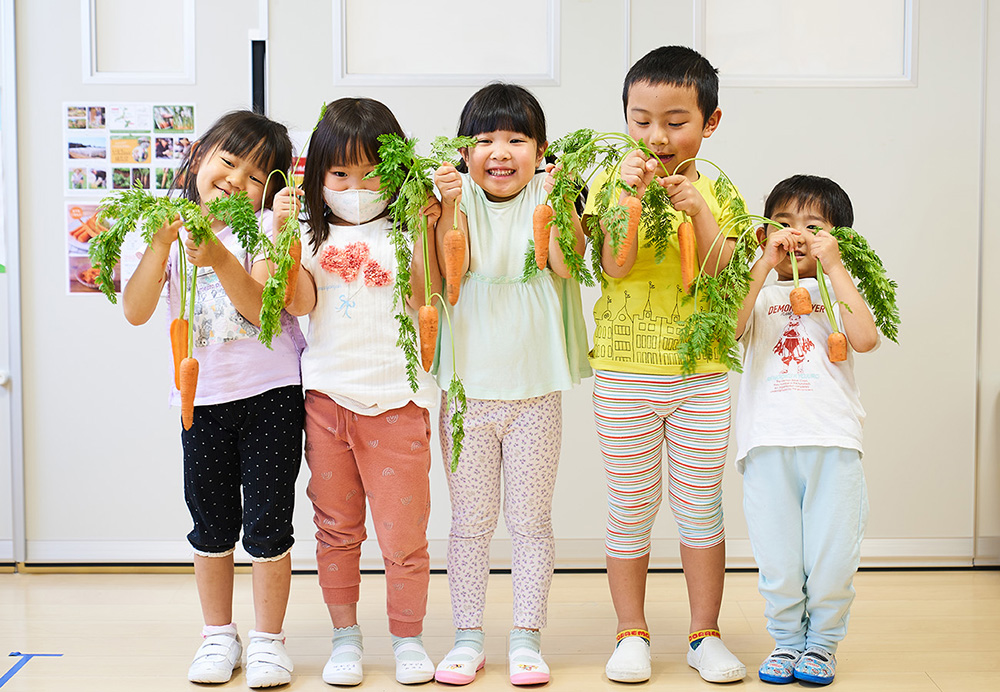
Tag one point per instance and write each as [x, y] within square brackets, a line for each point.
[641, 399]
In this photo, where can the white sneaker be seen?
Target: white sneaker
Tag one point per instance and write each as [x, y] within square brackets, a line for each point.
[344, 666]
[216, 658]
[268, 664]
[412, 670]
[630, 661]
[714, 662]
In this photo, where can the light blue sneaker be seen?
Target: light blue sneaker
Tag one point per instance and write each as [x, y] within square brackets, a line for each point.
[779, 667]
[817, 666]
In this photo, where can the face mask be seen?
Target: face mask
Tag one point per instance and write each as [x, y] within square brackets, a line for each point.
[355, 206]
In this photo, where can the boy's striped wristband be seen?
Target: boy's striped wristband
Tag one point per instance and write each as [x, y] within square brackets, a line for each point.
[644, 634]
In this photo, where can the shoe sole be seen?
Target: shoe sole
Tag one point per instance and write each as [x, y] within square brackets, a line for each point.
[775, 680]
[628, 677]
[730, 676]
[450, 678]
[529, 678]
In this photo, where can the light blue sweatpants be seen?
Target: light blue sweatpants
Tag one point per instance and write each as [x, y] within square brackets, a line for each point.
[806, 510]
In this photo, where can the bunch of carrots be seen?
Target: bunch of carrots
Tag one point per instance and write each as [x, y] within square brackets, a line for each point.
[406, 183]
[136, 209]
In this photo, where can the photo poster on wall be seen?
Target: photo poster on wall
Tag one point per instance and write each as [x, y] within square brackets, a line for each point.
[109, 147]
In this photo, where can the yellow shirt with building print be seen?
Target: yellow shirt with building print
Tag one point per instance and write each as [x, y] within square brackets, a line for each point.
[639, 317]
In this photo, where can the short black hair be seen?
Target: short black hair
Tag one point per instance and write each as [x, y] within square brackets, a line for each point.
[676, 66]
[801, 190]
[502, 106]
[347, 134]
[247, 135]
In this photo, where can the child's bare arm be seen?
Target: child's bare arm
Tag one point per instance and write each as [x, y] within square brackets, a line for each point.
[449, 184]
[638, 171]
[859, 324]
[714, 252]
[557, 260]
[432, 210]
[243, 290]
[779, 243]
[142, 292]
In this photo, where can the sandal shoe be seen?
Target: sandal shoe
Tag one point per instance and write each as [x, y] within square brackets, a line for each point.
[714, 662]
[817, 665]
[779, 666]
[268, 664]
[526, 667]
[460, 666]
[344, 672]
[630, 661]
[216, 658]
[415, 670]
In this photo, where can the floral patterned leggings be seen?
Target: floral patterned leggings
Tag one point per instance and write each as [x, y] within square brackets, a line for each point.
[521, 441]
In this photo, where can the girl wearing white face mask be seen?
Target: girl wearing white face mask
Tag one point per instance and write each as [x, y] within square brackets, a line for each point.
[367, 431]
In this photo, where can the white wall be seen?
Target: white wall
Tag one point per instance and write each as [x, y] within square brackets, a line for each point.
[102, 452]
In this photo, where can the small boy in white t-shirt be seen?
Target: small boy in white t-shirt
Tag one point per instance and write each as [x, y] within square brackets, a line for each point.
[798, 431]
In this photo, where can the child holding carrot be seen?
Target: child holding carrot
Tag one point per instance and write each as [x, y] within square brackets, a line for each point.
[367, 432]
[517, 346]
[247, 417]
[798, 432]
[641, 398]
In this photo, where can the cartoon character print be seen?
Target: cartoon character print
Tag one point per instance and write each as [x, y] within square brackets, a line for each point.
[793, 344]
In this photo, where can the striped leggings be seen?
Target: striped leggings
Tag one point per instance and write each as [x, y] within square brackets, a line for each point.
[634, 415]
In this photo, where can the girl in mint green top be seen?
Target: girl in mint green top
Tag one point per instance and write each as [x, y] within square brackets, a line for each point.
[518, 346]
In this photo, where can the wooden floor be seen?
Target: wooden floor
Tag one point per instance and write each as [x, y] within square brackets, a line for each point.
[909, 631]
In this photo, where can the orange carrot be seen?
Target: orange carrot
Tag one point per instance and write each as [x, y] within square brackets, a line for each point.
[189, 382]
[178, 346]
[428, 318]
[688, 245]
[454, 258]
[836, 346]
[541, 220]
[801, 301]
[634, 206]
[295, 251]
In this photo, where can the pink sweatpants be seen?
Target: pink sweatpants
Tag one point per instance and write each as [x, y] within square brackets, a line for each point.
[386, 458]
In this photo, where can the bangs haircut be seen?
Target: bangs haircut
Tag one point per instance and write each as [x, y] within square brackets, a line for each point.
[248, 135]
[677, 66]
[800, 191]
[347, 135]
[501, 106]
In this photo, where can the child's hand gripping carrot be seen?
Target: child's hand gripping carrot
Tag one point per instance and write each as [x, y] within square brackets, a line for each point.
[686, 199]
[286, 205]
[637, 170]
[454, 241]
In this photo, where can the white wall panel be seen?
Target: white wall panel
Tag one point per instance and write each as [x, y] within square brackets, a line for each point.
[103, 453]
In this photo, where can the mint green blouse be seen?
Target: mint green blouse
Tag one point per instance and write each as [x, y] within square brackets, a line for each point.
[514, 339]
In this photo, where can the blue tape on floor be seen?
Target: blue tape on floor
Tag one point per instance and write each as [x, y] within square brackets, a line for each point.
[19, 665]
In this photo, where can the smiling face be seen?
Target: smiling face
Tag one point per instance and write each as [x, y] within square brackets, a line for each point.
[667, 118]
[806, 218]
[220, 174]
[503, 163]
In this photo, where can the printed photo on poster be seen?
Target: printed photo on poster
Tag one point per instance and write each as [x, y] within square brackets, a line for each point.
[130, 117]
[81, 228]
[127, 149]
[174, 118]
[86, 147]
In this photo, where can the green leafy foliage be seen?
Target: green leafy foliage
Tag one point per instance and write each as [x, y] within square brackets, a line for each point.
[458, 406]
[866, 267]
[137, 209]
